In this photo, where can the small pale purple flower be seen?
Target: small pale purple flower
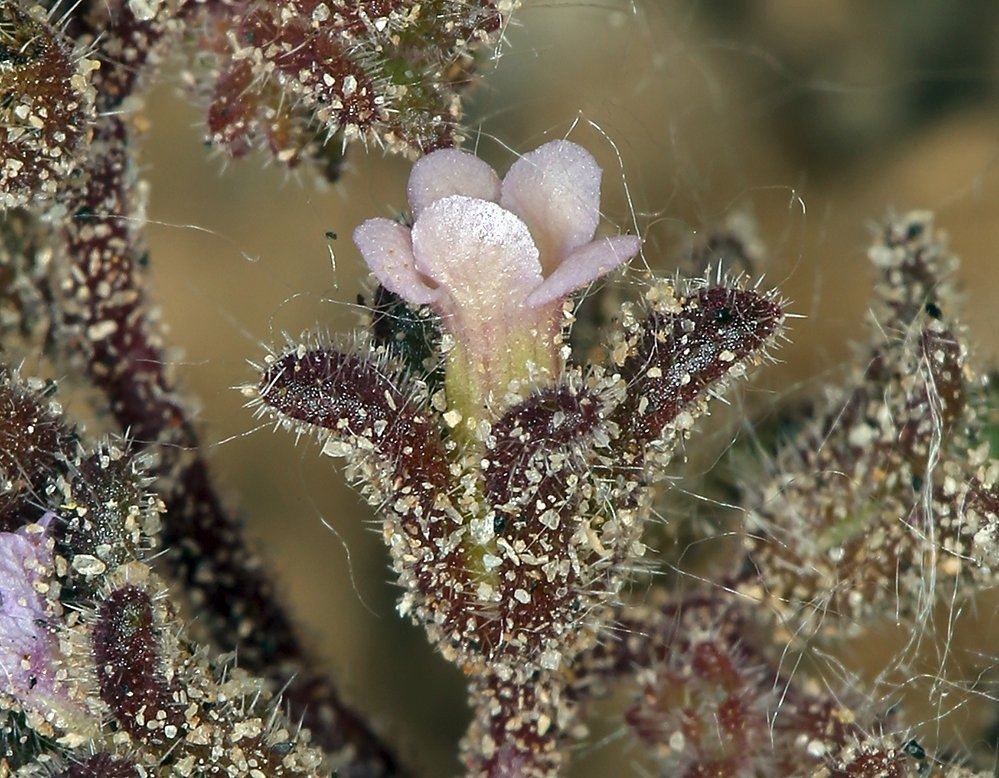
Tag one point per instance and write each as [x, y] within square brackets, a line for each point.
[495, 259]
[30, 661]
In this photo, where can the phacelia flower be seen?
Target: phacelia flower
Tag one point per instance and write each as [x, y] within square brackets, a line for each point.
[30, 677]
[496, 259]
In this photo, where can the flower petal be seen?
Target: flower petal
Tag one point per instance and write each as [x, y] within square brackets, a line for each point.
[28, 651]
[555, 189]
[387, 248]
[450, 172]
[585, 265]
[481, 255]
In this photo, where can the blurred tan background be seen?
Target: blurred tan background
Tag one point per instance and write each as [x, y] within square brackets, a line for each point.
[817, 118]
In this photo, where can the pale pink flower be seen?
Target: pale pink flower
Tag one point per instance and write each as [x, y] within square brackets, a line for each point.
[496, 259]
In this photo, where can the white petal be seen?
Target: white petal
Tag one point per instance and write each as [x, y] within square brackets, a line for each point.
[584, 266]
[387, 248]
[555, 189]
[479, 253]
[450, 172]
